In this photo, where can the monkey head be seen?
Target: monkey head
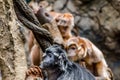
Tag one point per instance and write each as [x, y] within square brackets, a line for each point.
[54, 57]
[65, 23]
[43, 16]
[40, 12]
[76, 48]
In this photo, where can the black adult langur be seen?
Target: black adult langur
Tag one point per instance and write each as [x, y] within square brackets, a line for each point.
[58, 67]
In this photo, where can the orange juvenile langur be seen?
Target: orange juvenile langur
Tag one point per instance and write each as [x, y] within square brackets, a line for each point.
[65, 24]
[81, 49]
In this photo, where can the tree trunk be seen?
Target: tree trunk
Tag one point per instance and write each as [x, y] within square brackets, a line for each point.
[12, 57]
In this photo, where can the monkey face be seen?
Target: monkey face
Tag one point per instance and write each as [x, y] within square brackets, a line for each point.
[65, 23]
[75, 49]
[64, 30]
[52, 57]
[48, 59]
[72, 51]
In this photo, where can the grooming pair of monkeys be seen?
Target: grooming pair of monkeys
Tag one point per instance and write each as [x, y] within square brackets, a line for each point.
[78, 48]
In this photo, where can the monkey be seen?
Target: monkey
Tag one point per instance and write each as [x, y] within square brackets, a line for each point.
[65, 23]
[35, 54]
[33, 49]
[59, 67]
[38, 7]
[54, 14]
[81, 49]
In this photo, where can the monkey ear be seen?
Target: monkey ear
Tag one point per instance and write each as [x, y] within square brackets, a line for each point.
[82, 50]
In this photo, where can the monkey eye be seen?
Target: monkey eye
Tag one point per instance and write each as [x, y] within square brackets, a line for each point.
[49, 55]
[73, 47]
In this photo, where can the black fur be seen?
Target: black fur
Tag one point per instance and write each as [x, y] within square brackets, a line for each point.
[60, 68]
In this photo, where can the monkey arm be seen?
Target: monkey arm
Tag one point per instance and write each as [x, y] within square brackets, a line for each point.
[53, 29]
[26, 11]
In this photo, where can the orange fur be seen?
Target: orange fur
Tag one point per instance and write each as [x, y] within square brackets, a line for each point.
[65, 23]
[81, 49]
[54, 14]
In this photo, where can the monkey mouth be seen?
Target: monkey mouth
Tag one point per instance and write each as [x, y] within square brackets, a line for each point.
[71, 54]
[45, 65]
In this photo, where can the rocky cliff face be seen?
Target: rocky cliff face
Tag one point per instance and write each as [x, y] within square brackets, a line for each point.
[98, 21]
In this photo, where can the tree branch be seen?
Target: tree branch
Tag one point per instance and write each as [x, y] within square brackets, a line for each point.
[26, 11]
[42, 36]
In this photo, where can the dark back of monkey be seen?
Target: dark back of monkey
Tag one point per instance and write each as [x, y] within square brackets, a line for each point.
[58, 66]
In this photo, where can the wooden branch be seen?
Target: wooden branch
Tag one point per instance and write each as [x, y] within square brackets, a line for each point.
[42, 36]
[35, 29]
[48, 23]
[26, 11]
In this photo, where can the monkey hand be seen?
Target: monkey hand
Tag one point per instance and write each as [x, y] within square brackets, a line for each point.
[34, 71]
